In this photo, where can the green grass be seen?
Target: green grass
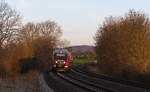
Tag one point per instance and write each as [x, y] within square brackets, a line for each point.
[84, 60]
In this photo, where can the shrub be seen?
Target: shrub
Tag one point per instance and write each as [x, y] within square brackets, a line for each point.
[123, 44]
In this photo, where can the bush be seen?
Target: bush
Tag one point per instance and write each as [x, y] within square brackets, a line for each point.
[43, 50]
[27, 64]
[10, 62]
[123, 45]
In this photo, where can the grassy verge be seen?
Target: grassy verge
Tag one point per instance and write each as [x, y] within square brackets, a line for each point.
[84, 60]
[24, 83]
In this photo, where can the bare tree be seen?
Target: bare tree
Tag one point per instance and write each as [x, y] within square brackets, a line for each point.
[40, 39]
[49, 28]
[32, 31]
[63, 43]
[9, 21]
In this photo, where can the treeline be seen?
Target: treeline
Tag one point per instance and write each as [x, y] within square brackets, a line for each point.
[123, 46]
[25, 46]
[79, 54]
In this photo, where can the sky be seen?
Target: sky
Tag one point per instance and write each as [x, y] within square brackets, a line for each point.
[79, 19]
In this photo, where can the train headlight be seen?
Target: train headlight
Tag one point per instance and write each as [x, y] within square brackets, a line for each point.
[66, 66]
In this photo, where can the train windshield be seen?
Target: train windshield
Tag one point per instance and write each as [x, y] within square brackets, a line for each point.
[61, 56]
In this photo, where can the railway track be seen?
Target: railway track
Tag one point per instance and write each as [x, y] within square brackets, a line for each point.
[84, 70]
[90, 82]
[113, 84]
[84, 84]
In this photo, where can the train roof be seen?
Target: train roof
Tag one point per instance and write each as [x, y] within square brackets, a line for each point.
[60, 51]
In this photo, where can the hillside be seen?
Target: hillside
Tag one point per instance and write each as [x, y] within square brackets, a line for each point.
[82, 48]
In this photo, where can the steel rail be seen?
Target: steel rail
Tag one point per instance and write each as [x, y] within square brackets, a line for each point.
[103, 80]
[89, 86]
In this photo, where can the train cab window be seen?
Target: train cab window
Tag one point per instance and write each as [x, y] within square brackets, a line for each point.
[61, 57]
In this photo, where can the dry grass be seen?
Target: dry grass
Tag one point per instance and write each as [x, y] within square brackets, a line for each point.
[24, 83]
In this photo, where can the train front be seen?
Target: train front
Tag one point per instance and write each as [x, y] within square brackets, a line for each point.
[60, 60]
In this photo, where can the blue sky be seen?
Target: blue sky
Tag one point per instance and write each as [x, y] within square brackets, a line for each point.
[79, 19]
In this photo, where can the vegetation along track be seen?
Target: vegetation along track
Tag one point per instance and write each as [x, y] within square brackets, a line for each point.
[115, 85]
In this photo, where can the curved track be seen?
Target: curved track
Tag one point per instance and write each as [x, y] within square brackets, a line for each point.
[58, 84]
[83, 83]
[79, 78]
[84, 70]
[108, 82]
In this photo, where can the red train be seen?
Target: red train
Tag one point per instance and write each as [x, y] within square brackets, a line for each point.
[60, 60]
